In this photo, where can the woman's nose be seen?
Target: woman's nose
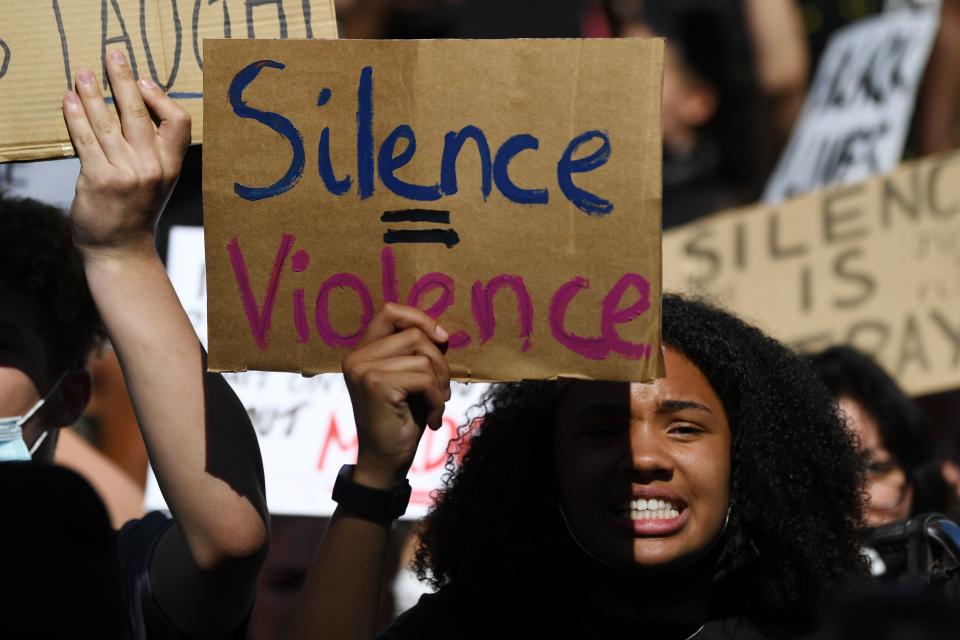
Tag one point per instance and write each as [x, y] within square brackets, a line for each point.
[649, 452]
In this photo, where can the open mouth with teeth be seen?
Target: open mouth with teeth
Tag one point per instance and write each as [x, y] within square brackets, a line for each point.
[652, 509]
[653, 516]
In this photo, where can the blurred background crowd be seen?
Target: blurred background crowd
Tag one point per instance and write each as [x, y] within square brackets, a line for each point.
[736, 75]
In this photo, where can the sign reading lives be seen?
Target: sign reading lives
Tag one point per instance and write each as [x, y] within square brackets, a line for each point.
[874, 264]
[510, 189]
[43, 44]
[855, 119]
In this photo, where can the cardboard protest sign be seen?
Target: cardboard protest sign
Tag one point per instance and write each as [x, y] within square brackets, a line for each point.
[875, 265]
[509, 188]
[44, 44]
[305, 426]
[857, 113]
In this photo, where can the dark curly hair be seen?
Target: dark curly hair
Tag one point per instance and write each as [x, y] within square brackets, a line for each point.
[38, 258]
[902, 425]
[796, 479]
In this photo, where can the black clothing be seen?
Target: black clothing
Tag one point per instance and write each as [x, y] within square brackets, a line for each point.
[136, 542]
[441, 616]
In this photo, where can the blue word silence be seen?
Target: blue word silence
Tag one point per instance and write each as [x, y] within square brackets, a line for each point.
[397, 150]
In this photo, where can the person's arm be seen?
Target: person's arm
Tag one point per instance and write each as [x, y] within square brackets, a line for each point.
[938, 99]
[198, 435]
[398, 365]
[782, 63]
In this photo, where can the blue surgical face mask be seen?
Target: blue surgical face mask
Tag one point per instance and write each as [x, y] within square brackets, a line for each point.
[12, 445]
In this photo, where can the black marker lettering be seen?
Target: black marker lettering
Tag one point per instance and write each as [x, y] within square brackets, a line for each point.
[178, 44]
[740, 246]
[448, 237]
[936, 207]
[4, 58]
[281, 16]
[416, 215]
[806, 289]
[951, 333]
[63, 43]
[777, 250]
[877, 327]
[812, 343]
[124, 38]
[692, 248]
[834, 218]
[307, 19]
[911, 348]
[864, 281]
[906, 203]
[195, 25]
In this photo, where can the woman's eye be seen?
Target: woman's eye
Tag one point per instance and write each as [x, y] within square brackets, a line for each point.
[881, 467]
[685, 430]
[603, 431]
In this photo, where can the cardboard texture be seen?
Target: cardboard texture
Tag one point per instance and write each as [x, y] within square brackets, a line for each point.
[44, 44]
[535, 270]
[305, 426]
[857, 113]
[875, 265]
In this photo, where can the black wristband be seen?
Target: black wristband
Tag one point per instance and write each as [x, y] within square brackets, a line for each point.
[367, 502]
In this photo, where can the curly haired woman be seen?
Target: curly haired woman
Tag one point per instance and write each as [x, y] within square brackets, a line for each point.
[721, 501]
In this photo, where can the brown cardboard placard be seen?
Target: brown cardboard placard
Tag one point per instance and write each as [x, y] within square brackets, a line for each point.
[43, 44]
[874, 264]
[537, 245]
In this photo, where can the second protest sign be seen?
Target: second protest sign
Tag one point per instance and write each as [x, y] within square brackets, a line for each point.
[510, 189]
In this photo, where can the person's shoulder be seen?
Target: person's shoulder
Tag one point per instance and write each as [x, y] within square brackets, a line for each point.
[434, 617]
[137, 538]
[746, 628]
[136, 542]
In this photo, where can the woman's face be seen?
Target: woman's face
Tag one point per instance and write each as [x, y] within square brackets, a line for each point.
[644, 469]
[890, 495]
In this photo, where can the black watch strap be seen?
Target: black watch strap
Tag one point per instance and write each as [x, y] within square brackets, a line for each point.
[367, 502]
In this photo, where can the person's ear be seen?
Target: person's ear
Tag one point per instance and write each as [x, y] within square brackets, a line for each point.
[699, 103]
[74, 395]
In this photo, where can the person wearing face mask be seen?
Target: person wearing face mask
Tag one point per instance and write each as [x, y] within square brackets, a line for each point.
[12, 445]
[721, 501]
[193, 575]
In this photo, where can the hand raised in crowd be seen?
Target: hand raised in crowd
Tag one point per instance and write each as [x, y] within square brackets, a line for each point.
[398, 380]
[128, 169]
[203, 564]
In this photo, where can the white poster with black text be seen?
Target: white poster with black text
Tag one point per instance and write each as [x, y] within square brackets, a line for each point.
[857, 113]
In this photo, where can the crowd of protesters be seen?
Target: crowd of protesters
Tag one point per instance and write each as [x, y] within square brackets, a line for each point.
[750, 493]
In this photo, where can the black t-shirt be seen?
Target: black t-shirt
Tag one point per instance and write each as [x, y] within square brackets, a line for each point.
[136, 542]
[443, 616]
[440, 616]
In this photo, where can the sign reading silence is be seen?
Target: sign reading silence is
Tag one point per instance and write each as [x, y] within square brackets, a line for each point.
[510, 189]
[874, 264]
